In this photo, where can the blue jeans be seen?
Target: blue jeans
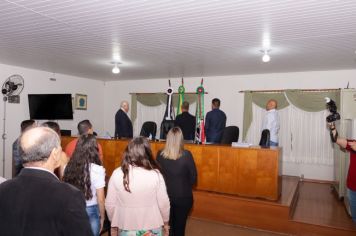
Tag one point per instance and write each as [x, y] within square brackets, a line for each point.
[94, 218]
[273, 144]
[352, 201]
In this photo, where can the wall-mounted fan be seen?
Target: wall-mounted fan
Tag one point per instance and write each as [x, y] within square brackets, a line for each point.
[12, 87]
[11, 90]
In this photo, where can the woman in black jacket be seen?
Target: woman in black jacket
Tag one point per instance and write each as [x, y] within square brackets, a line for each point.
[180, 174]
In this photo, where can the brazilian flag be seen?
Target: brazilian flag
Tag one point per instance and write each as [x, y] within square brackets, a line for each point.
[200, 114]
[181, 91]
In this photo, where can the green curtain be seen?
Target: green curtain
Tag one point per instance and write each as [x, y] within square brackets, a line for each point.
[260, 99]
[191, 98]
[312, 101]
[247, 113]
[155, 99]
[133, 108]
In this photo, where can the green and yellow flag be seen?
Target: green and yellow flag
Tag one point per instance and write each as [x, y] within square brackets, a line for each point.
[181, 91]
[200, 114]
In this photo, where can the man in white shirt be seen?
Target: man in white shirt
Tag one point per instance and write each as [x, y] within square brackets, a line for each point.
[271, 122]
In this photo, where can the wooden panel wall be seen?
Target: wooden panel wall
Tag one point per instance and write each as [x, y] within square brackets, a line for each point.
[250, 172]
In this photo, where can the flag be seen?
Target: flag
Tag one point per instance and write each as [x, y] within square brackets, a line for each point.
[169, 113]
[168, 118]
[181, 91]
[200, 129]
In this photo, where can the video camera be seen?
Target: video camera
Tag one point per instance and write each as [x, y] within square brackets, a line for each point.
[334, 116]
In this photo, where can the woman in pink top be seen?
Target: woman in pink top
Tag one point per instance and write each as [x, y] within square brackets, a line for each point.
[137, 202]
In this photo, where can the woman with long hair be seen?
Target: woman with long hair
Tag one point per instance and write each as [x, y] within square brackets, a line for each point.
[137, 202]
[180, 174]
[85, 172]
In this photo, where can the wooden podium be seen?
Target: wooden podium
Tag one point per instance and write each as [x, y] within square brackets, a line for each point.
[249, 172]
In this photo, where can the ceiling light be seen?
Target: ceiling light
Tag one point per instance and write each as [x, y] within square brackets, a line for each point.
[266, 57]
[116, 69]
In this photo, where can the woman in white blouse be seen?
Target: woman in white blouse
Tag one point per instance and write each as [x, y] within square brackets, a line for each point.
[137, 202]
[85, 172]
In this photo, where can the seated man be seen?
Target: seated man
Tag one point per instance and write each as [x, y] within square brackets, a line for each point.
[36, 202]
[84, 127]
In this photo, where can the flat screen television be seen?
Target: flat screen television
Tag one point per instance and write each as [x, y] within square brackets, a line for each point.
[50, 106]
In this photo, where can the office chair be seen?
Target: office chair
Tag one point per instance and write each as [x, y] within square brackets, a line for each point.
[230, 134]
[265, 136]
[149, 128]
[166, 125]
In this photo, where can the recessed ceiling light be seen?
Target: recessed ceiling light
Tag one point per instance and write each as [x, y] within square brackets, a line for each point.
[115, 70]
[266, 57]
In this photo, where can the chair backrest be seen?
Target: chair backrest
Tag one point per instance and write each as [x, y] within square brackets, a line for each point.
[265, 136]
[149, 128]
[166, 125]
[230, 134]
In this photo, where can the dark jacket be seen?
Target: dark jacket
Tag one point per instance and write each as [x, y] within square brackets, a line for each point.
[36, 203]
[123, 125]
[186, 122]
[16, 158]
[180, 175]
[215, 122]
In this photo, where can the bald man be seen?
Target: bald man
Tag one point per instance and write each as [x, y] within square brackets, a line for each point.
[271, 122]
[123, 125]
[36, 202]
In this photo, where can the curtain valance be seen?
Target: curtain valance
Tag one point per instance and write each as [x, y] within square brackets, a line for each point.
[306, 100]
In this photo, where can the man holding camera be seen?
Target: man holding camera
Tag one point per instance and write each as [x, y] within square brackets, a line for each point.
[350, 146]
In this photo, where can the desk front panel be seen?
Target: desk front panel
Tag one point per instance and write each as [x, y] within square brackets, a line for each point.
[249, 172]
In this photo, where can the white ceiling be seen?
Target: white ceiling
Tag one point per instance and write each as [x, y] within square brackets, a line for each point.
[177, 38]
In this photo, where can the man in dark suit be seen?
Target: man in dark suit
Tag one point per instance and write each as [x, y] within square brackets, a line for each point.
[215, 122]
[36, 202]
[123, 125]
[186, 122]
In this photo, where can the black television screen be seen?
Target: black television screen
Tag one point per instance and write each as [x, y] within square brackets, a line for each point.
[50, 106]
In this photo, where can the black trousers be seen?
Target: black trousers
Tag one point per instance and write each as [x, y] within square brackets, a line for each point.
[180, 208]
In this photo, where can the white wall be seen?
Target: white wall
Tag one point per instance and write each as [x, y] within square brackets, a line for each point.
[38, 82]
[227, 89]
[104, 100]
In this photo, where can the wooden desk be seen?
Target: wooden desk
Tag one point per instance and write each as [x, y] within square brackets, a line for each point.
[250, 172]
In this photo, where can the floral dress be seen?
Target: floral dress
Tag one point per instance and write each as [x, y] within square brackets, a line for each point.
[151, 232]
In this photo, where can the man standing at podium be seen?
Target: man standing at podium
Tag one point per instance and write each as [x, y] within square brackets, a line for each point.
[123, 125]
[186, 122]
[271, 122]
[215, 122]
